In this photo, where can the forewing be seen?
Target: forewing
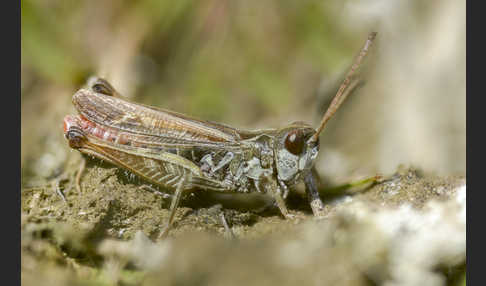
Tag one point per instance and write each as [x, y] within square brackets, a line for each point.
[170, 127]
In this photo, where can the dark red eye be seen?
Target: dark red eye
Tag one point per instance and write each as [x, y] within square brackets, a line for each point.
[294, 142]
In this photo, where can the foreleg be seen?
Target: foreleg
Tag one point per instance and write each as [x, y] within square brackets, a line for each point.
[316, 204]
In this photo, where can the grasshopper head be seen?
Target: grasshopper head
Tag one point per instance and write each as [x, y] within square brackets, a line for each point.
[297, 145]
[294, 151]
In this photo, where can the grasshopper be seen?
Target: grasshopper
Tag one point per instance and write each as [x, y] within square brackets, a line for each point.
[182, 153]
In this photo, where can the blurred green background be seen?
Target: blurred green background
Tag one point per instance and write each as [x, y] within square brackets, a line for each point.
[257, 64]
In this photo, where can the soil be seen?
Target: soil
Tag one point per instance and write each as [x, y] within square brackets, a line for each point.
[107, 233]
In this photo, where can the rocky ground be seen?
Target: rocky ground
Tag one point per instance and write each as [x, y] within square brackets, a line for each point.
[409, 229]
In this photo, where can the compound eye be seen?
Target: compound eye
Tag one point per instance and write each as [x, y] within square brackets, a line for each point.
[294, 142]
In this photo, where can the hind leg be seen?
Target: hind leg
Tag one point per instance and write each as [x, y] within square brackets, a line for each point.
[173, 207]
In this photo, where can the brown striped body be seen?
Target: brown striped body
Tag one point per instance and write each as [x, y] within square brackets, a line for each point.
[178, 152]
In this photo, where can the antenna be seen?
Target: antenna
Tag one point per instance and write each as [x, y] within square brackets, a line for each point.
[341, 95]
